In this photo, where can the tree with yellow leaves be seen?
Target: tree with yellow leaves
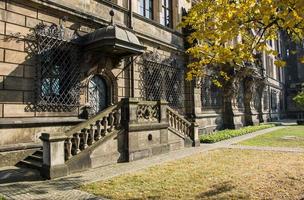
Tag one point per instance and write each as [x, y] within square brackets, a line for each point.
[228, 36]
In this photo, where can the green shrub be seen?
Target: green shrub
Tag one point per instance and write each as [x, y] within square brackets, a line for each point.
[2, 198]
[226, 134]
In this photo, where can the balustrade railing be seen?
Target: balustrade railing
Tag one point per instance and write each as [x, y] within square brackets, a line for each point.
[178, 122]
[87, 133]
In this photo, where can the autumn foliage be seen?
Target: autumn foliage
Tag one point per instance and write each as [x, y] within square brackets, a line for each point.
[231, 33]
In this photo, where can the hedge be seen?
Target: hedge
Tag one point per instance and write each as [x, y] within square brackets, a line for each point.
[228, 133]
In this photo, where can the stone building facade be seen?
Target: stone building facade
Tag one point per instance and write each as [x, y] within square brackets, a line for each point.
[64, 61]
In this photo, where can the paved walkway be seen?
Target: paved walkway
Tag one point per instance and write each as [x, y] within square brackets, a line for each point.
[66, 188]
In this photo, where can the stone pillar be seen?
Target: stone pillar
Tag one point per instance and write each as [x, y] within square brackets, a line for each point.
[229, 92]
[194, 135]
[164, 137]
[248, 93]
[53, 156]
[163, 111]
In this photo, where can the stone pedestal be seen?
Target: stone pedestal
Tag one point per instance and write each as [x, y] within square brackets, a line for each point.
[53, 156]
[194, 136]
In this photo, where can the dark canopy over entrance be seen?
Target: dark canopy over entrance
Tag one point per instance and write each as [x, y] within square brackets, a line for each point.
[114, 41]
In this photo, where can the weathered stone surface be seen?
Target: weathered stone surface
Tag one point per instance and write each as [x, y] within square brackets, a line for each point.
[1, 110]
[16, 83]
[47, 17]
[7, 96]
[13, 17]
[21, 9]
[8, 43]
[15, 57]
[7, 69]
[17, 110]
[31, 22]
[2, 27]
[1, 55]
[11, 158]
[12, 29]
[29, 71]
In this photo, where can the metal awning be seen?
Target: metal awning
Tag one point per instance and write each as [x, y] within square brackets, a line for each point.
[113, 40]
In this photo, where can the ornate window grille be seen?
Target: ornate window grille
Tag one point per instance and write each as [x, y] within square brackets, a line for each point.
[162, 80]
[211, 96]
[240, 96]
[58, 71]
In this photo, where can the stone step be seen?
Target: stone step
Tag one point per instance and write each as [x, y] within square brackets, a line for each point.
[39, 153]
[29, 163]
[36, 157]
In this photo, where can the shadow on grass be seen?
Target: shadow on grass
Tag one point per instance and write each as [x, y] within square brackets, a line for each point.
[220, 191]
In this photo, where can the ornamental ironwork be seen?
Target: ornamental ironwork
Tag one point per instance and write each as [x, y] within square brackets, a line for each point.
[162, 79]
[58, 71]
[211, 95]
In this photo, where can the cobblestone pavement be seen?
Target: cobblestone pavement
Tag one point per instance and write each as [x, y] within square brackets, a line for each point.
[66, 188]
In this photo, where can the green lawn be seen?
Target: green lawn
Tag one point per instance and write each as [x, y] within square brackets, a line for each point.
[218, 174]
[2, 198]
[292, 136]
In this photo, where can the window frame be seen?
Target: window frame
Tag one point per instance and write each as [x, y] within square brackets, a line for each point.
[167, 10]
[143, 11]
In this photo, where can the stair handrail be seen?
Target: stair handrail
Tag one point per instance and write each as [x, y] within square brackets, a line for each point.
[92, 120]
[178, 122]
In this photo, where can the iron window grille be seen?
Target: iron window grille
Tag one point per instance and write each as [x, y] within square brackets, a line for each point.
[211, 95]
[162, 81]
[59, 73]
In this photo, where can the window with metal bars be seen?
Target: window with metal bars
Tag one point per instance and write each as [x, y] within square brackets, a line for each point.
[211, 96]
[162, 81]
[59, 73]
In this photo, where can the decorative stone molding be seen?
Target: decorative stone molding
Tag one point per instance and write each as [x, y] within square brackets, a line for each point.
[147, 113]
[154, 56]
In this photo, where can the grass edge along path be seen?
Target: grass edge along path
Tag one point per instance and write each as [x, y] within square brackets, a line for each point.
[228, 133]
[289, 137]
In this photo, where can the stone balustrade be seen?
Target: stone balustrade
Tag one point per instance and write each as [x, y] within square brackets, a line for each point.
[143, 128]
[183, 126]
[91, 131]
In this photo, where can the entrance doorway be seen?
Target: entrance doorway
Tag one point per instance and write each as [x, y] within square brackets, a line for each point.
[98, 94]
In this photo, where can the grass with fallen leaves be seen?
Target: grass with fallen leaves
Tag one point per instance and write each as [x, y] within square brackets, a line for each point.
[292, 136]
[218, 174]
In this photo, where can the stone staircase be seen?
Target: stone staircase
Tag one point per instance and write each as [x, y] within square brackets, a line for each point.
[127, 131]
[33, 161]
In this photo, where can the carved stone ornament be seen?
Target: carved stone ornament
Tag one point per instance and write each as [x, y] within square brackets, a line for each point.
[147, 113]
[154, 56]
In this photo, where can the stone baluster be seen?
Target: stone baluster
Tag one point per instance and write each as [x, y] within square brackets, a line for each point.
[92, 134]
[117, 115]
[98, 125]
[174, 121]
[181, 125]
[184, 128]
[111, 120]
[68, 148]
[105, 125]
[85, 138]
[77, 143]
[170, 118]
